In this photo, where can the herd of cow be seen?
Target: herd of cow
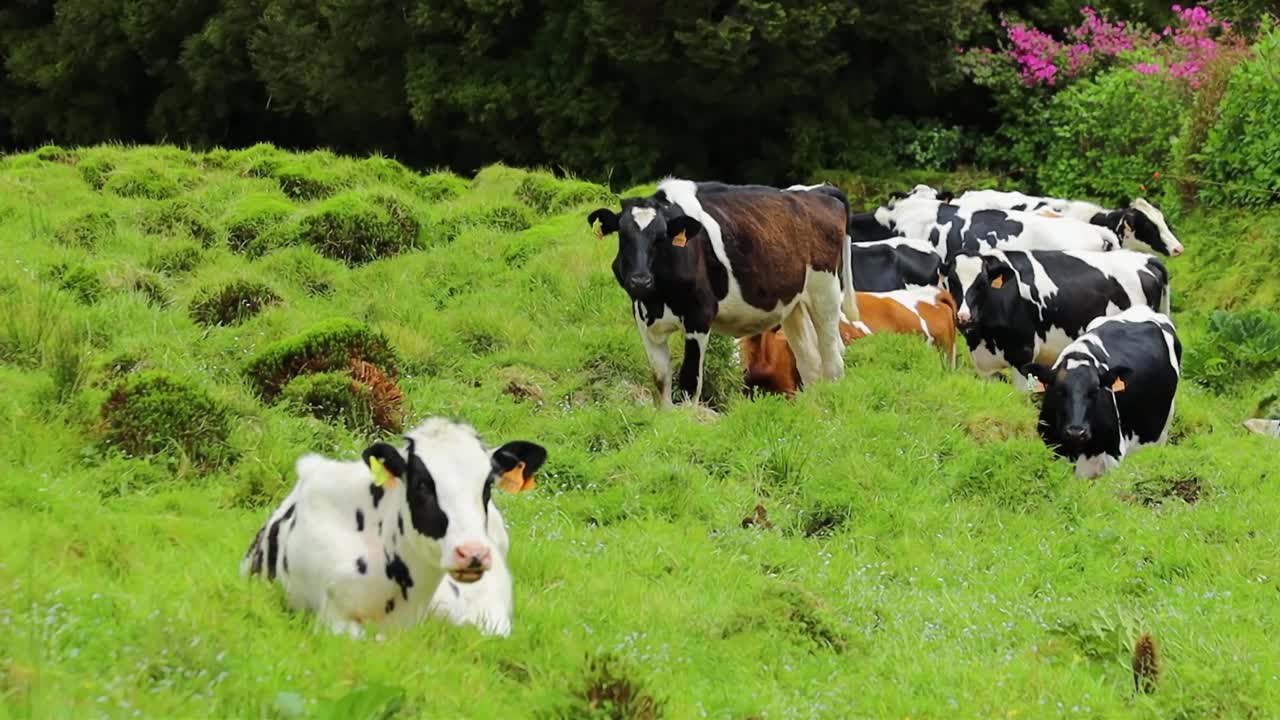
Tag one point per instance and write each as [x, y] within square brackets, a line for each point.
[1068, 295]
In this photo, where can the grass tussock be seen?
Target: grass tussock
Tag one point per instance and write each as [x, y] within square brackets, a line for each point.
[906, 522]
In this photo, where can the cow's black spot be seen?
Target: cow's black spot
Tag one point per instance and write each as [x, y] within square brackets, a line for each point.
[1019, 207]
[457, 592]
[359, 520]
[255, 552]
[273, 541]
[379, 528]
[285, 562]
[362, 567]
[376, 492]
[691, 368]
[391, 605]
[400, 522]
[425, 512]
[399, 572]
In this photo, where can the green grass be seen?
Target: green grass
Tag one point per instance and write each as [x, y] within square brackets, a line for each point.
[925, 555]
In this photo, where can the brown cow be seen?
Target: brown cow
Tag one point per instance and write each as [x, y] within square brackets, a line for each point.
[770, 366]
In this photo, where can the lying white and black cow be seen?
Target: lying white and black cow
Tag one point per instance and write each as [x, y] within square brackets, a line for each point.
[1111, 391]
[738, 260]
[952, 229]
[894, 264]
[372, 541]
[1016, 307]
[1140, 224]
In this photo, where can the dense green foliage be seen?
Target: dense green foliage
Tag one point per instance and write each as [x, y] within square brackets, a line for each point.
[910, 525]
[1242, 152]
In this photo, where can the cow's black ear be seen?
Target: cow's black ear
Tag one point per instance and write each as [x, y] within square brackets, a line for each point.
[387, 456]
[1041, 374]
[946, 196]
[682, 225]
[608, 220]
[1115, 379]
[897, 195]
[516, 462]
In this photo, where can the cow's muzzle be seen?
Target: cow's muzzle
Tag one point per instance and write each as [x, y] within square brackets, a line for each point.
[470, 562]
[640, 284]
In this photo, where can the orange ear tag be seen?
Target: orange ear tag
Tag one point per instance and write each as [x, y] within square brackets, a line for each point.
[680, 240]
[1118, 385]
[998, 282]
[514, 481]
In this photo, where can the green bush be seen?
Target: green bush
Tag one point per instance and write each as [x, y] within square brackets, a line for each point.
[547, 194]
[503, 217]
[176, 259]
[1242, 154]
[86, 230]
[147, 182]
[181, 218]
[1109, 135]
[332, 396]
[95, 171]
[53, 153]
[303, 183]
[81, 282]
[153, 412]
[1269, 400]
[260, 161]
[251, 218]
[330, 345]
[148, 284]
[1238, 348]
[439, 187]
[359, 227]
[232, 303]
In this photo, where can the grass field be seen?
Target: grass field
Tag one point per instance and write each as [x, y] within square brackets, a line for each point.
[924, 555]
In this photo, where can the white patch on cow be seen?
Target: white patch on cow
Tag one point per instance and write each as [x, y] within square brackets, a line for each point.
[804, 188]
[1153, 213]
[861, 327]
[643, 216]
[486, 603]
[986, 362]
[1091, 467]
[901, 242]
[910, 298]
[967, 269]
[1000, 200]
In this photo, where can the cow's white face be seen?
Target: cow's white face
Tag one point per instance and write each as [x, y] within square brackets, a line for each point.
[1155, 231]
[964, 274]
[449, 477]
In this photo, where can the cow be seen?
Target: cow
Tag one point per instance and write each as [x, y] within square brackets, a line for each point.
[769, 365]
[894, 264]
[1015, 306]
[1139, 224]
[738, 260]
[953, 229]
[1111, 391]
[371, 541]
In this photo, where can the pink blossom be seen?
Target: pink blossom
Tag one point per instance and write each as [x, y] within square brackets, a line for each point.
[1147, 68]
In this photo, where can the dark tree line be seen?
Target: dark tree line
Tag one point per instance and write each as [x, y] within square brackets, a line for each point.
[740, 89]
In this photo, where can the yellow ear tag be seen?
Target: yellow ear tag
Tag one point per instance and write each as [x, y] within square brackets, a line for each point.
[514, 481]
[1118, 385]
[598, 228]
[998, 282]
[381, 476]
[680, 240]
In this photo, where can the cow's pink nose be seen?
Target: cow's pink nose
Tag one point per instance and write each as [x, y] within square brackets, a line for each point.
[1176, 251]
[962, 316]
[472, 556]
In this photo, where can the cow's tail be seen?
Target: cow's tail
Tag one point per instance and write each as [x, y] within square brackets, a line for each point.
[1165, 301]
[849, 301]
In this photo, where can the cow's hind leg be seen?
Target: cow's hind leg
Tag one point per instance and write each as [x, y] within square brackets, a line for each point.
[825, 297]
[655, 338]
[803, 341]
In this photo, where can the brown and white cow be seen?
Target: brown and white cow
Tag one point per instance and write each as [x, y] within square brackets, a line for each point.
[736, 259]
[769, 365]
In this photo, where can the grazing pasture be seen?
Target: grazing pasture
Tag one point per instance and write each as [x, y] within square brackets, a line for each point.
[177, 328]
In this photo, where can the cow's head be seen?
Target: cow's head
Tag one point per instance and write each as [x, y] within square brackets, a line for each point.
[645, 228]
[1142, 227]
[984, 288]
[449, 477]
[1078, 397]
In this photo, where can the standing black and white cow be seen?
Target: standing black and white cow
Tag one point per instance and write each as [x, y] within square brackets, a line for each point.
[953, 229]
[738, 260]
[894, 264]
[372, 541]
[1140, 224]
[1016, 307]
[1111, 391]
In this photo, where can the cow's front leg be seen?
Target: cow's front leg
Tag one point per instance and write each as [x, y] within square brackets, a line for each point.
[695, 353]
[655, 338]
[803, 341]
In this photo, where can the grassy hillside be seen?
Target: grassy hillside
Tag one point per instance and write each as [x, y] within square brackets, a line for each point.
[923, 554]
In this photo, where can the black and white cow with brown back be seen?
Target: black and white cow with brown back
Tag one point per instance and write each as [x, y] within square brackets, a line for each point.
[738, 260]
[1140, 225]
[1111, 391]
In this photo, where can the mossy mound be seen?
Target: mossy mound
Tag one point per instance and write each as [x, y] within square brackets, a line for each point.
[178, 259]
[261, 160]
[180, 218]
[357, 228]
[95, 171]
[86, 230]
[305, 268]
[149, 285]
[81, 282]
[547, 194]
[56, 154]
[232, 303]
[148, 182]
[250, 221]
[503, 217]
[304, 183]
[439, 187]
[328, 346]
[362, 398]
[154, 413]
